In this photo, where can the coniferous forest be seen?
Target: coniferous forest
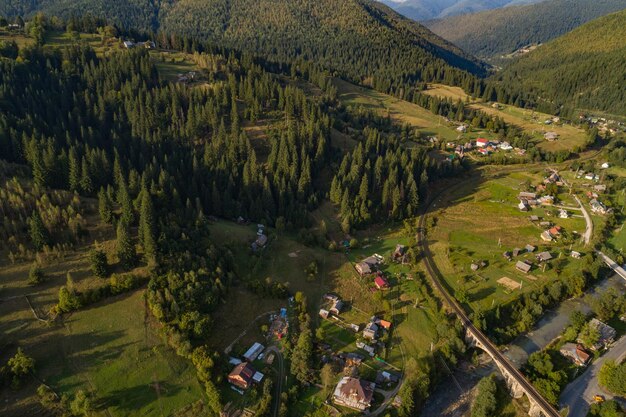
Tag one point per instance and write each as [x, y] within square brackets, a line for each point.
[214, 164]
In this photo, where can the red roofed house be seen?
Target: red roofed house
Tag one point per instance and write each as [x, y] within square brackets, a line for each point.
[242, 375]
[555, 231]
[381, 283]
[482, 142]
[384, 324]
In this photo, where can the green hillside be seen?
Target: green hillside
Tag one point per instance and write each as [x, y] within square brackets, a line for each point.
[494, 33]
[363, 39]
[584, 69]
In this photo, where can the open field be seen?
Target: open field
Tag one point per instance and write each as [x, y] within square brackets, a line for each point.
[446, 91]
[530, 121]
[426, 123]
[112, 351]
[480, 222]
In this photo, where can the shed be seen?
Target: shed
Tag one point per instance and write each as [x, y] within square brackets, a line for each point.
[524, 267]
[254, 351]
[530, 248]
[544, 256]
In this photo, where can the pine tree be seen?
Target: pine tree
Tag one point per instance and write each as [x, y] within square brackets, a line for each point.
[125, 247]
[39, 235]
[98, 261]
[105, 207]
[74, 168]
[147, 226]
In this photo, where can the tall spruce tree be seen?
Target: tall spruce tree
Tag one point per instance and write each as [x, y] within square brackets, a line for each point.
[124, 246]
[39, 235]
[147, 226]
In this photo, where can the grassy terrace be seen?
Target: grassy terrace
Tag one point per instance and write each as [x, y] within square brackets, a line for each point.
[479, 216]
[530, 121]
[404, 112]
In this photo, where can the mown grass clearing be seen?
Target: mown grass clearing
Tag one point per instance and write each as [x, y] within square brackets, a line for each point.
[404, 112]
[446, 91]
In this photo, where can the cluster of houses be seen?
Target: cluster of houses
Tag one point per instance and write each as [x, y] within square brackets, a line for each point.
[604, 125]
[481, 145]
[335, 304]
[261, 238]
[369, 264]
[375, 328]
[528, 200]
[243, 375]
[551, 234]
[577, 353]
[146, 44]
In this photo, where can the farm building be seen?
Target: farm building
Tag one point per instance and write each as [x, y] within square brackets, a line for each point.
[354, 393]
[523, 266]
[525, 196]
[546, 236]
[254, 351]
[544, 256]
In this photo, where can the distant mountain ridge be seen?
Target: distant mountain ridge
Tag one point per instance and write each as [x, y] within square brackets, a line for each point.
[582, 70]
[362, 39]
[421, 10]
[493, 33]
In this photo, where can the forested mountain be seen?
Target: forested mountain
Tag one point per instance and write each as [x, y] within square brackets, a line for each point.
[362, 39]
[493, 33]
[433, 9]
[584, 69]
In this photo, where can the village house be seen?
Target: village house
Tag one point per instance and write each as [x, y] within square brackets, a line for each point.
[575, 255]
[516, 252]
[128, 44]
[551, 136]
[600, 188]
[384, 324]
[324, 313]
[534, 218]
[371, 331]
[384, 377]
[525, 196]
[506, 146]
[482, 143]
[369, 264]
[523, 205]
[371, 350]
[508, 255]
[546, 236]
[461, 129]
[606, 332]
[545, 224]
[474, 267]
[337, 307]
[260, 242]
[484, 152]
[242, 375]
[523, 266]
[575, 353]
[563, 214]
[530, 248]
[381, 283]
[555, 231]
[598, 207]
[399, 252]
[354, 393]
[546, 200]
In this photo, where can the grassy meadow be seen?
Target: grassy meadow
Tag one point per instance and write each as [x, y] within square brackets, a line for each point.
[480, 222]
[404, 112]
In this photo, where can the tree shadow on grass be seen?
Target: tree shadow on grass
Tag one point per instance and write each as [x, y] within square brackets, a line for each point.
[482, 294]
[137, 397]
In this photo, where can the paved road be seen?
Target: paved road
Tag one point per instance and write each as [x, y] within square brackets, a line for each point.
[579, 394]
[589, 230]
[278, 385]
